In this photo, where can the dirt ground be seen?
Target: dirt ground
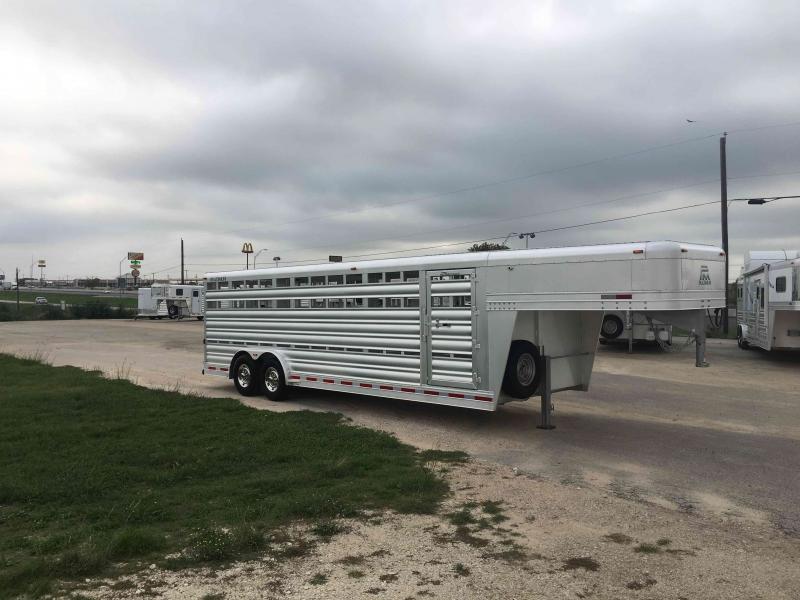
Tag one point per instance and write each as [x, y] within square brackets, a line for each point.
[658, 449]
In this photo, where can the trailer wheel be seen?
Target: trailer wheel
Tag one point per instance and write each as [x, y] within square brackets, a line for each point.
[740, 341]
[612, 327]
[245, 376]
[523, 370]
[273, 379]
[199, 318]
[174, 311]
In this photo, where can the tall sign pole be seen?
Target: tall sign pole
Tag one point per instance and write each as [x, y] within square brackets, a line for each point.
[723, 182]
[182, 271]
[17, 289]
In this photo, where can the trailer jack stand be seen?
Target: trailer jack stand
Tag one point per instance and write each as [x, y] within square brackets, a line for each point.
[700, 349]
[545, 417]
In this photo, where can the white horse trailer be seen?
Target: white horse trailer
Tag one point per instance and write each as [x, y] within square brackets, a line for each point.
[768, 301]
[474, 330]
[629, 326]
[174, 301]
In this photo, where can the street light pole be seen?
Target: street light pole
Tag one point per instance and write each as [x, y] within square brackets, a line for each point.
[723, 180]
[255, 258]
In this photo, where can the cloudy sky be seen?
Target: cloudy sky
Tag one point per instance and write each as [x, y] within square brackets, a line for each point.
[317, 128]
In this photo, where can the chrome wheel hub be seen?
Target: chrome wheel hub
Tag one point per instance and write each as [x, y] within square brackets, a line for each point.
[526, 369]
[272, 379]
[244, 376]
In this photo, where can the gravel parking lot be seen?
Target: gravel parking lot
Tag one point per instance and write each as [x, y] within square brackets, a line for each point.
[705, 448]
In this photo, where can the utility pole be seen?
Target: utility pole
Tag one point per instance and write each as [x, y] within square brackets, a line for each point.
[723, 182]
[17, 289]
[182, 282]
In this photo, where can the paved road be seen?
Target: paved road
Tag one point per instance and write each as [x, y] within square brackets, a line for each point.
[723, 440]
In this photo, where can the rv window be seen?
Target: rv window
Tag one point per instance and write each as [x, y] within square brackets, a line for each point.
[300, 281]
[411, 276]
[374, 277]
[335, 279]
[195, 293]
[318, 280]
[354, 279]
[265, 283]
[780, 284]
[282, 282]
[179, 291]
[392, 277]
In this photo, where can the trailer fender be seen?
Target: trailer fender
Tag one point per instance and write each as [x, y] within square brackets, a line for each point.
[258, 353]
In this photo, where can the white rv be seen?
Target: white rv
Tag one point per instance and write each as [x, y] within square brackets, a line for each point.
[474, 330]
[768, 300]
[174, 301]
[625, 325]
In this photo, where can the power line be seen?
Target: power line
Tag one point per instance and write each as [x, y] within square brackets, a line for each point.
[527, 216]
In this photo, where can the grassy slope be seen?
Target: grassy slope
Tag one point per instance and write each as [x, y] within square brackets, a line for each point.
[94, 470]
[56, 297]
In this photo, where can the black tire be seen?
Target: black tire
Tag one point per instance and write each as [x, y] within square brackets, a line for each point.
[523, 370]
[174, 311]
[612, 327]
[245, 376]
[740, 341]
[199, 318]
[272, 379]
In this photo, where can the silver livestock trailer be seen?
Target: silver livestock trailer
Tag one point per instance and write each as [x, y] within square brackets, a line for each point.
[473, 330]
[768, 300]
[174, 301]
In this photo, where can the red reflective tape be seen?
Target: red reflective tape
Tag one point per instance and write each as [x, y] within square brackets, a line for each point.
[453, 395]
[638, 251]
[295, 377]
[346, 382]
[212, 368]
[624, 296]
[431, 393]
[365, 385]
[386, 387]
[328, 381]
[484, 398]
[310, 378]
[408, 390]
[223, 368]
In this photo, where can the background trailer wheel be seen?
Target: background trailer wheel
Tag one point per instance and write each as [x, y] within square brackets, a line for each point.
[612, 327]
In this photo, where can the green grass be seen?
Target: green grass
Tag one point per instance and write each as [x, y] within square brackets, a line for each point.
[93, 309]
[55, 297]
[98, 472]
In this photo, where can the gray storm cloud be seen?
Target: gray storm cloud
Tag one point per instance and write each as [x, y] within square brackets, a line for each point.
[317, 128]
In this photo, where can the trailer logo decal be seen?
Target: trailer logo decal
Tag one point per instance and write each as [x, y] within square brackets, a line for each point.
[705, 276]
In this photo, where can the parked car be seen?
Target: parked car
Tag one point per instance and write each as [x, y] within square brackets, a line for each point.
[40, 300]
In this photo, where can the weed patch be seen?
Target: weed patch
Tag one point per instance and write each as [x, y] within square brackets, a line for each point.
[581, 562]
[646, 548]
[618, 538]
